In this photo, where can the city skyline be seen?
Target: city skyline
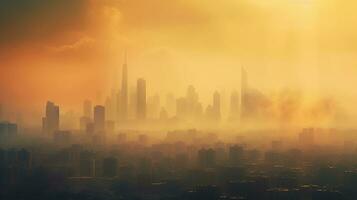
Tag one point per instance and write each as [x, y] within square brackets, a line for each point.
[178, 100]
[251, 106]
[204, 45]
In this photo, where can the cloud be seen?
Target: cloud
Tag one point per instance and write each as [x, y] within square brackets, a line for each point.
[82, 42]
[25, 21]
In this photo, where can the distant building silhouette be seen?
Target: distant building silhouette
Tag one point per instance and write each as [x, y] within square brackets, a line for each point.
[99, 118]
[216, 106]
[62, 137]
[189, 107]
[141, 99]
[7, 130]
[124, 91]
[87, 109]
[50, 123]
[90, 129]
[83, 122]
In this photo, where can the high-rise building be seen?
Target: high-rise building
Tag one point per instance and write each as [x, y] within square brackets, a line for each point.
[7, 130]
[193, 106]
[216, 106]
[124, 91]
[189, 108]
[50, 123]
[141, 99]
[87, 109]
[99, 118]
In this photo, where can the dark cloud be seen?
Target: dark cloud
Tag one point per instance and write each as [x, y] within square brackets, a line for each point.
[37, 20]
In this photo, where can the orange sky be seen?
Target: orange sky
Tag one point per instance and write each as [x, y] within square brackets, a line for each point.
[67, 50]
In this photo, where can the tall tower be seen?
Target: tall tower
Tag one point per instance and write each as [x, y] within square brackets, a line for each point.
[124, 90]
[141, 99]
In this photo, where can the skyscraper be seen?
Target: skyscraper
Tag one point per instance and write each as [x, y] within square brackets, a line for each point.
[141, 99]
[216, 106]
[50, 122]
[192, 103]
[124, 91]
[99, 118]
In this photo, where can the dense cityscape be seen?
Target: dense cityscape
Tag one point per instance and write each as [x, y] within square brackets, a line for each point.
[178, 100]
[136, 149]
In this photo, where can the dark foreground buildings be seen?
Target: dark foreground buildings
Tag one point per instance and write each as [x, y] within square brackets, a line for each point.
[185, 165]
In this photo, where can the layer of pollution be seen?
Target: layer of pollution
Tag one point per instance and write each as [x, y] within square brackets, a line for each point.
[178, 100]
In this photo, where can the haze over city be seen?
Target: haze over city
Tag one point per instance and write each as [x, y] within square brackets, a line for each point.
[189, 100]
[305, 47]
